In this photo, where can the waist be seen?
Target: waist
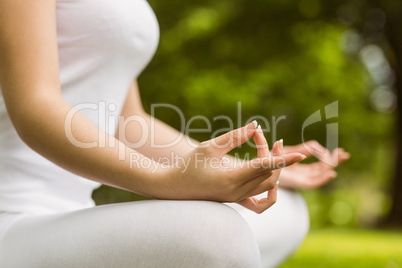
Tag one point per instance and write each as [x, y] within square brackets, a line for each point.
[35, 185]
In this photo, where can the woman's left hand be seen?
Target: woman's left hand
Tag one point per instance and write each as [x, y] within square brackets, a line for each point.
[313, 175]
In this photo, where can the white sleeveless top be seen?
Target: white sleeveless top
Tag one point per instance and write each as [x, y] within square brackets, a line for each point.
[103, 46]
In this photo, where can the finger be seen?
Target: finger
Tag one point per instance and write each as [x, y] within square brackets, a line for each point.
[320, 180]
[261, 143]
[265, 185]
[258, 166]
[276, 149]
[280, 161]
[335, 158]
[344, 154]
[313, 147]
[260, 205]
[307, 148]
[341, 155]
[230, 140]
[323, 166]
[265, 181]
[227, 162]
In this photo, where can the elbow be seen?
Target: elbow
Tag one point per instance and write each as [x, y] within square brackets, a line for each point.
[16, 117]
[32, 121]
[21, 125]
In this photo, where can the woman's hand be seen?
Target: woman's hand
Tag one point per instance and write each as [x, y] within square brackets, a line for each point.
[260, 205]
[204, 174]
[313, 175]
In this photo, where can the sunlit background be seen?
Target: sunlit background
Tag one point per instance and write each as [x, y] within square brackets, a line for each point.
[291, 58]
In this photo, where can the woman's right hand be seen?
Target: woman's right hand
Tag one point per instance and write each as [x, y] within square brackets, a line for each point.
[203, 173]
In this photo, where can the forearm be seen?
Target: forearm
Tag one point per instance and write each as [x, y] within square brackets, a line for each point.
[44, 130]
[163, 142]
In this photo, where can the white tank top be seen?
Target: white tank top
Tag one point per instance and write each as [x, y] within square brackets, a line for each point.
[103, 46]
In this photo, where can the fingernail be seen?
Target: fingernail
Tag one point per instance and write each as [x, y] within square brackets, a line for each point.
[303, 156]
[255, 123]
[259, 127]
[252, 125]
[281, 140]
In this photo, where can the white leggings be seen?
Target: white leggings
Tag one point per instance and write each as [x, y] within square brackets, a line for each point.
[156, 234]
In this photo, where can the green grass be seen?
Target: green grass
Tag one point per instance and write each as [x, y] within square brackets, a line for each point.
[349, 248]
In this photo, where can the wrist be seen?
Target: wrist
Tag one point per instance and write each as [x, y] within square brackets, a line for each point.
[161, 182]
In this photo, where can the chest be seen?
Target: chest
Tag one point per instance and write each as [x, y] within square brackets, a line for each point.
[107, 26]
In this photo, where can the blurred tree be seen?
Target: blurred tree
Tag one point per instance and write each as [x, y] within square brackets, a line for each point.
[393, 33]
[379, 23]
[280, 58]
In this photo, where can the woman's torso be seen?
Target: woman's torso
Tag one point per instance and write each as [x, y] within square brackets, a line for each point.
[103, 46]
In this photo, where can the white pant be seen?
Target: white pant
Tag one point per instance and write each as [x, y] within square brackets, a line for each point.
[155, 234]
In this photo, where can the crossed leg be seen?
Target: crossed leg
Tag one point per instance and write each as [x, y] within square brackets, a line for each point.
[280, 229]
[135, 234]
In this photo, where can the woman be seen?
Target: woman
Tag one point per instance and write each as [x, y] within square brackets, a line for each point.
[60, 61]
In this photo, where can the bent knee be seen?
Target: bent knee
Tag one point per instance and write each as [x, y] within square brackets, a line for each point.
[239, 241]
[297, 209]
[196, 234]
[229, 240]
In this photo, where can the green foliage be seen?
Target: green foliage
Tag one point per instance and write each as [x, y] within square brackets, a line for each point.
[277, 58]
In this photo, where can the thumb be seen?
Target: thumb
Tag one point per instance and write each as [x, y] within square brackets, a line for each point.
[230, 140]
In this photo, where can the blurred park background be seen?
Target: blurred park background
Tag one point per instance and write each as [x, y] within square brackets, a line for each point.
[291, 58]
